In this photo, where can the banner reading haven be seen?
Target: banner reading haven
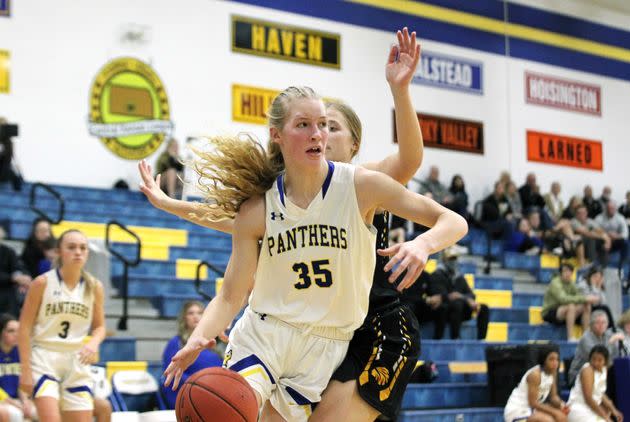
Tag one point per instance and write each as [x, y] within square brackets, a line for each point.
[449, 133]
[564, 150]
[262, 38]
[563, 94]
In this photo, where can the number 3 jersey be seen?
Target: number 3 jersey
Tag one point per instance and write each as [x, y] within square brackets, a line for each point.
[316, 264]
[65, 316]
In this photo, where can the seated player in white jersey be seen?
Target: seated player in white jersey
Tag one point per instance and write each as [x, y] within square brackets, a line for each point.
[354, 393]
[60, 309]
[535, 398]
[588, 400]
[314, 269]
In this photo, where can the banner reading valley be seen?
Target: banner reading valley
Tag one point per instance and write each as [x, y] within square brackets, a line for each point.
[129, 109]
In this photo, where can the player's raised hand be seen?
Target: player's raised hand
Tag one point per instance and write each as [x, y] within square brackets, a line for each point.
[403, 60]
[411, 256]
[151, 187]
[184, 358]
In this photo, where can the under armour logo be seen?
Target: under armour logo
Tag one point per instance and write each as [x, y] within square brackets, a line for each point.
[277, 216]
[57, 293]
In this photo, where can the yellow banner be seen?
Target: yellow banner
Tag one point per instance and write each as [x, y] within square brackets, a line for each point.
[286, 42]
[4, 72]
[249, 104]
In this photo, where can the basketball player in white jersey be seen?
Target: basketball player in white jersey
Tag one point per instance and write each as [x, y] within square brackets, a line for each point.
[60, 309]
[536, 399]
[314, 270]
[588, 400]
[351, 393]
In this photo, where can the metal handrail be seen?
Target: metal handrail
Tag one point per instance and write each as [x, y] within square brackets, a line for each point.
[109, 247]
[198, 277]
[42, 213]
[122, 324]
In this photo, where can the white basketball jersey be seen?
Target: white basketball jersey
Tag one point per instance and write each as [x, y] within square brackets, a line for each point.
[599, 387]
[520, 395]
[64, 317]
[316, 264]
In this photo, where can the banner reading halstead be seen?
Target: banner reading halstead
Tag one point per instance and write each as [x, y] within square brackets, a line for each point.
[129, 109]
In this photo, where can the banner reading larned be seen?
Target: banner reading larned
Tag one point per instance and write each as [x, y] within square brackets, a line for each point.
[564, 150]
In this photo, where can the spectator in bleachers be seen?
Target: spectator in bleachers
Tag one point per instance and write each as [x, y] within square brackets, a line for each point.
[425, 300]
[496, 213]
[593, 206]
[523, 240]
[558, 238]
[14, 404]
[33, 251]
[605, 197]
[505, 179]
[397, 229]
[8, 170]
[458, 296]
[624, 209]
[460, 197]
[588, 400]
[592, 284]
[169, 166]
[432, 187]
[530, 194]
[624, 324]
[514, 199]
[12, 279]
[49, 248]
[187, 320]
[553, 203]
[571, 209]
[595, 240]
[536, 398]
[615, 227]
[598, 334]
[563, 303]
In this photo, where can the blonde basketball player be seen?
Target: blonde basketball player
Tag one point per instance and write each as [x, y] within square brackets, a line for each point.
[353, 394]
[61, 307]
[314, 271]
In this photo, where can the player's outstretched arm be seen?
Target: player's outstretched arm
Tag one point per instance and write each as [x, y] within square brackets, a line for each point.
[399, 71]
[376, 190]
[190, 211]
[249, 227]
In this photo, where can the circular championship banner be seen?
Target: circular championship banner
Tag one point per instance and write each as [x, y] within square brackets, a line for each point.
[129, 109]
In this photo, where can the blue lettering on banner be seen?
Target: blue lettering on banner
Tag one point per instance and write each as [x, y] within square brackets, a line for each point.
[449, 72]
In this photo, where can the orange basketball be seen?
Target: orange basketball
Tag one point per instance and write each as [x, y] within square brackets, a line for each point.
[216, 394]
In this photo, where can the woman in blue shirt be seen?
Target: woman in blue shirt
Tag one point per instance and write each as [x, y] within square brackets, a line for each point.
[14, 405]
[187, 320]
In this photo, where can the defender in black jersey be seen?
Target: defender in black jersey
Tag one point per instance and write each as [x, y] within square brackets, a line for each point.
[384, 350]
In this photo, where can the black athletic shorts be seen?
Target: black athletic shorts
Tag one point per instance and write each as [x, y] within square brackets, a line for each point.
[382, 356]
[550, 316]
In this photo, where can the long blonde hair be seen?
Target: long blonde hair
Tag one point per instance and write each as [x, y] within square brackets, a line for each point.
[90, 280]
[237, 168]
